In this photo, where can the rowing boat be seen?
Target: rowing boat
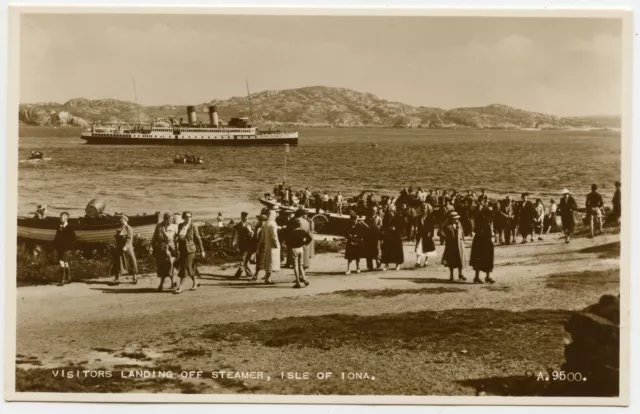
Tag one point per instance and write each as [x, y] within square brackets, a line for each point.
[88, 230]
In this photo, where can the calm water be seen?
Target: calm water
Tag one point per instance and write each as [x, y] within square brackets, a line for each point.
[137, 179]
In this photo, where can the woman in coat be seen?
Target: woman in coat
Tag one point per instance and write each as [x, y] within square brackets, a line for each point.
[392, 250]
[482, 249]
[453, 256]
[124, 258]
[270, 247]
[424, 236]
[355, 248]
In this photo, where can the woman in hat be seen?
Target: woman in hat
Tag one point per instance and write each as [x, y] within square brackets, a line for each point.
[124, 258]
[189, 243]
[566, 208]
[270, 245]
[163, 243]
[424, 235]
[482, 248]
[454, 256]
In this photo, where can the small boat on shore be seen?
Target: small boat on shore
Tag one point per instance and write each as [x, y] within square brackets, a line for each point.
[324, 223]
[94, 228]
[88, 230]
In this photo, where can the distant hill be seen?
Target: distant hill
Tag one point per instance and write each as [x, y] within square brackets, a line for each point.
[315, 106]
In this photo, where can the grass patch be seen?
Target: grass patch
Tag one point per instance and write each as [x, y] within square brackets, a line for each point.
[329, 246]
[605, 251]
[108, 350]
[135, 355]
[43, 380]
[387, 293]
[475, 329]
[571, 281]
[194, 353]
[498, 288]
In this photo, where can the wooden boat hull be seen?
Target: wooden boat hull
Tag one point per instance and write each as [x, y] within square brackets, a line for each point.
[325, 223]
[100, 231]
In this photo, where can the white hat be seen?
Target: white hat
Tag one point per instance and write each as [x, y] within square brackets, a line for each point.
[565, 191]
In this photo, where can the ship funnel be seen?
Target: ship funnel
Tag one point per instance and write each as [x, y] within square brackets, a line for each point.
[191, 115]
[213, 116]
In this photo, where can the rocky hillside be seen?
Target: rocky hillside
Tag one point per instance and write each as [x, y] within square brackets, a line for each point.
[310, 106]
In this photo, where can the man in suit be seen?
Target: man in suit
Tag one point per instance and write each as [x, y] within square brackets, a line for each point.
[244, 243]
[507, 220]
[189, 241]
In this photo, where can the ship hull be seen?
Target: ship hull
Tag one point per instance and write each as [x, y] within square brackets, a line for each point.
[195, 142]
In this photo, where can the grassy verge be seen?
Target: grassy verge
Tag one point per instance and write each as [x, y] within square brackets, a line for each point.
[91, 262]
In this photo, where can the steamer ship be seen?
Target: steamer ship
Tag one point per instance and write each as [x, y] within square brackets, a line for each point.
[237, 132]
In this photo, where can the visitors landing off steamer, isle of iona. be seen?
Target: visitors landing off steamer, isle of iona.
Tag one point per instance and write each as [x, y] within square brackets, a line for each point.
[283, 238]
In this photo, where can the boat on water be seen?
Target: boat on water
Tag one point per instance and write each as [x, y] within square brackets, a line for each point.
[94, 228]
[237, 132]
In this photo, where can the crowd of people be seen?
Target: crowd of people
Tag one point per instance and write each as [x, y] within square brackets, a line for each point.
[283, 237]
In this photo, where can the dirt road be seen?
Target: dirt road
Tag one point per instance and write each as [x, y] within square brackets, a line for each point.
[89, 323]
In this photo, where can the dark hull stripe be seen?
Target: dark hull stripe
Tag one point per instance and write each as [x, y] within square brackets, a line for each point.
[181, 141]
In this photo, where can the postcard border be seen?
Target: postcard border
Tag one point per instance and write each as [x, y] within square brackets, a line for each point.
[15, 12]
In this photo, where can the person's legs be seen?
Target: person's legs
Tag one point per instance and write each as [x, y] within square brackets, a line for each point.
[348, 267]
[247, 259]
[591, 226]
[67, 270]
[488, 278]
[477, 278]
[63, 274]
[358, 265]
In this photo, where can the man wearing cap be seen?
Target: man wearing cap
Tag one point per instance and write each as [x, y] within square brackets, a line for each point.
[297, 238]
[566, 208]
[189, 241]
[262, 218]
[526, 217]
[373, 238]
[63, 243]
[594, 205]
[163, 244]
[41, 211]
[244, 242]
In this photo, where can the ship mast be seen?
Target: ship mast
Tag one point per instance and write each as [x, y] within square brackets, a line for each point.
[135, 94]
[249, 97]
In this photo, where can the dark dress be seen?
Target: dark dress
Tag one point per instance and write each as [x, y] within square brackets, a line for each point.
[426, 228]
[525, 221]
[392, 250]
[373, 240]
[482, 248]
[566, 207]
[63, 242]
[617, 204]
[356, 233]
[454, 254]
[124, 261]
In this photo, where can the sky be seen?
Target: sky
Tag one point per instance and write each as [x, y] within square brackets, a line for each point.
[559, 66]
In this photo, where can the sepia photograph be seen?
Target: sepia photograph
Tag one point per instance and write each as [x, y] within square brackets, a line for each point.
[317, 207]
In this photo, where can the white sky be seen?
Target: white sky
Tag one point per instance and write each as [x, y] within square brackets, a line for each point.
[557, 66]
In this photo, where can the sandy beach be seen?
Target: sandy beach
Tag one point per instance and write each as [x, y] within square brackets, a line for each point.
[412, 330]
